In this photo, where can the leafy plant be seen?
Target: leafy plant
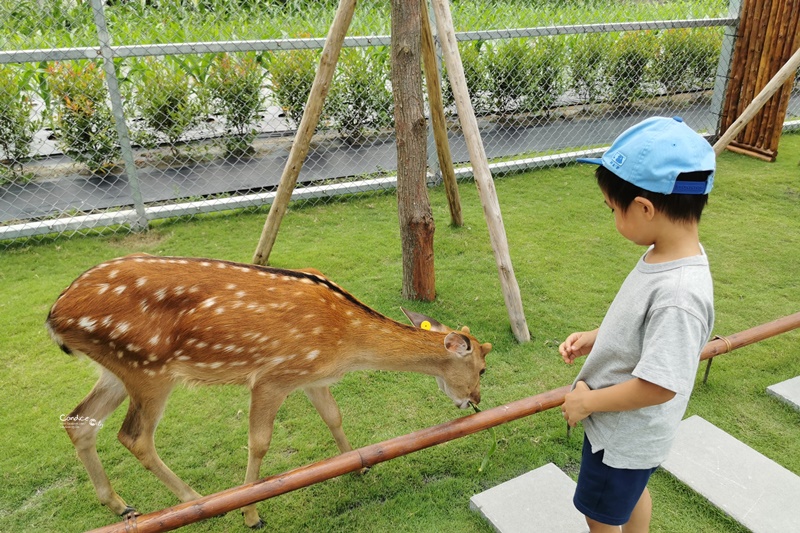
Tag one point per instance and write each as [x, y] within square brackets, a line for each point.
[84, 122]
[360, 99]
[587, 62]
[235, 86]
[543, 76]
[17, 128]
[704, 51]
[166, 100]
[628, 66]
[291, 75]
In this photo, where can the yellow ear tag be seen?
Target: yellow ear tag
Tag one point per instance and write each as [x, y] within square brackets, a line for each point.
[425, 325]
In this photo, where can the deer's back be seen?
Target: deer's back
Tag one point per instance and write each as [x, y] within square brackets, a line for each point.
[206, 321]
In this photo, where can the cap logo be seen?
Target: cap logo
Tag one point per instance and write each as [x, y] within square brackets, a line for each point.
[617, 159]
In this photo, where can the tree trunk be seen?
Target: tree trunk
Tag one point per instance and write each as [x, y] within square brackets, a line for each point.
[413, 207]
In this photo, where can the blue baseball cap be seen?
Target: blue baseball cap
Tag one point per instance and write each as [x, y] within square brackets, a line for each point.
[654, 152]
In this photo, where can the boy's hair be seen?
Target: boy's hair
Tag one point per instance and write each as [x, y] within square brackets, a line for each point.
[676, 207]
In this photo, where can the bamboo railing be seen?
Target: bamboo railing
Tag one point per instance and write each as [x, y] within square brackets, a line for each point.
[234, 498]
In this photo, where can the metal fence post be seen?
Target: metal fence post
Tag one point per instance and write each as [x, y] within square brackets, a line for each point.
[723, 69]
[140, 223]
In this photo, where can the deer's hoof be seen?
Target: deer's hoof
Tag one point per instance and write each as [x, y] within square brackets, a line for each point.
[258, 525]
[130, 512]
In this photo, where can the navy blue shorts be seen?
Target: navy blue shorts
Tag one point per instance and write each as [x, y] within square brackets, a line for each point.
[605, 494]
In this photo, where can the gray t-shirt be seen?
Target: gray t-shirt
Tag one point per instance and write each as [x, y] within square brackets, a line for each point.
[655, 329]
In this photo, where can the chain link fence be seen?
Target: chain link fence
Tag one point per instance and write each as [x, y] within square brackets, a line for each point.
[117, 113]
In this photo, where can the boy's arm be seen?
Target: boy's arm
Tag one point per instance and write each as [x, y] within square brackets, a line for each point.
[626, 396]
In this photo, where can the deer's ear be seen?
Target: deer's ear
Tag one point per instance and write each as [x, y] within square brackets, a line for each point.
[458, 344]
[424, 322]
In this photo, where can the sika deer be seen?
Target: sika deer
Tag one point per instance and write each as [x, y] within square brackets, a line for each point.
[153, 322]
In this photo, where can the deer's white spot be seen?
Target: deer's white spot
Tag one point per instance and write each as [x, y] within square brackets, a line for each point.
[183, 358]
[113, 274]
[216, 364]
[208, 302]
[89, 324]
[120, 289]
[160, 294]
[102, 287]
[202, 344]
[134, 348]
[154, 339]
[312, 355]
[178, 290]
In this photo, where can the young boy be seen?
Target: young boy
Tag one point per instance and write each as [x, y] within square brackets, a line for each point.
[633, 389]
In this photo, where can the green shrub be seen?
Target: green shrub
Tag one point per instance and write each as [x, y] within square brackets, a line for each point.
[526, 74]
[476, 74]
[629, 63]
[165, 100]
[588, 57]
[84, 122]
[543, 76]
[234, 83]
[704, 51]
[360, 100]
[291, 75]
[17, 127]
[509, 65]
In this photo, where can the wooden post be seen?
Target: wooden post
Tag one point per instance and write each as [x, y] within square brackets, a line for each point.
[767, 37]
[758, 102]
[302, 140]
[438, 120]
[480, 166]
[417, 227]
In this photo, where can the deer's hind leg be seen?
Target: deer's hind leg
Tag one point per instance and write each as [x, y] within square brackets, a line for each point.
[82, 426]
[264, 403]
[138, 430]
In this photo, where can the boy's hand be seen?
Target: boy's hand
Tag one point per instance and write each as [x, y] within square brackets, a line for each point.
[574, 408]
[577, 345]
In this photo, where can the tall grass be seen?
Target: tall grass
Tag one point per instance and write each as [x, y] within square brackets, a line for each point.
[569, 261]
[64, 23]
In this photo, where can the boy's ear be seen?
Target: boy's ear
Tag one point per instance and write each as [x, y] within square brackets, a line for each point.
[647, 207]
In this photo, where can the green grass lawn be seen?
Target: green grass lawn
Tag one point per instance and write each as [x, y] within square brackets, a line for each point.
[569, 261]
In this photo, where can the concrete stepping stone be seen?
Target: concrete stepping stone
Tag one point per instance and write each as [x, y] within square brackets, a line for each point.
[539, 501]
[754, 490]
[787, 391]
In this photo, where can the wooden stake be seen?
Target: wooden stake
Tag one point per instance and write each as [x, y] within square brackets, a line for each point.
[438, 120]
[480, 167]
[302, 140]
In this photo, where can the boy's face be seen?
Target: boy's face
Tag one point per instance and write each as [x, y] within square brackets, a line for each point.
[634, 223]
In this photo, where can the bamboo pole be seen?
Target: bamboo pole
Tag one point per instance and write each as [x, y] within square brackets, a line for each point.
[438, 120]
[721, 345]
[480, 168]
[237, 497]
[786, 71]
[302, 139]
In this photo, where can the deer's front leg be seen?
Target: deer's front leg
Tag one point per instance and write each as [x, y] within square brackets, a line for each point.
[264, 404]
[323, 401]
[325, 404]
